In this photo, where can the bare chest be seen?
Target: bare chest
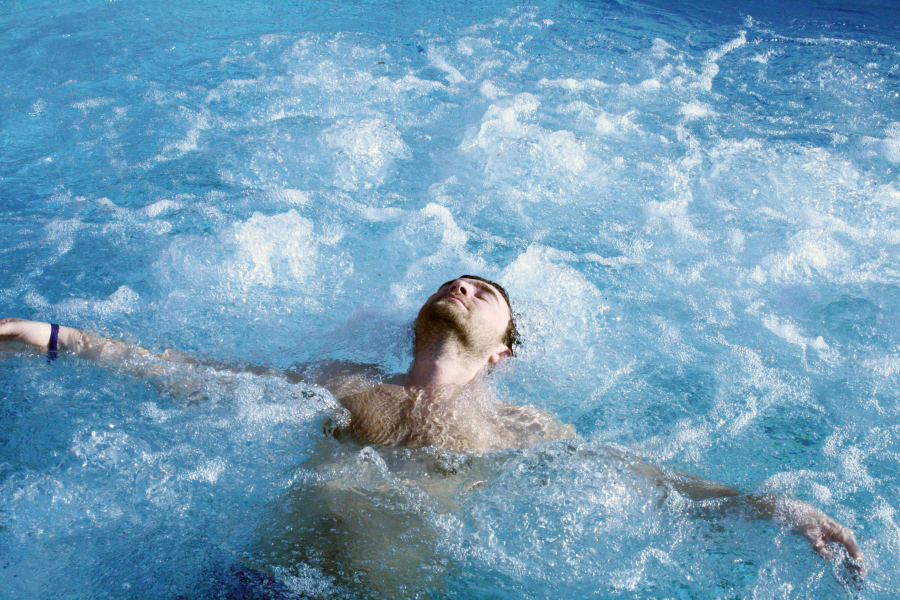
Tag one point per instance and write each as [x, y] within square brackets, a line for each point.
[392, 415]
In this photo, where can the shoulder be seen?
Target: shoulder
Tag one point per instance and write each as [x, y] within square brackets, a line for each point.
[377, 414]
[350, 385]
[359, 396]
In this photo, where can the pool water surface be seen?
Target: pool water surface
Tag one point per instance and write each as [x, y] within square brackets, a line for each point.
[693, 208]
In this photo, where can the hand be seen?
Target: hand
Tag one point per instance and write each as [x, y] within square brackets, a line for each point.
[29, 332]
[819, 529]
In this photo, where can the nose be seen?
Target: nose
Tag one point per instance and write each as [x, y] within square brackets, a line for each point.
[460, 286]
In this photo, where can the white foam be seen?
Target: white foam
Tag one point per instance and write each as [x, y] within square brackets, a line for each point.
[696, 110]
[93, 103]
[789, 332]
[660, 48]
[572, 84]
[289, 196]
[890, 145]
[209, 471]
[563, 305]
[716, 54]
[809, 255]
[150, 410]
[467, 46]
[674, 215]
[491, 91]
[162, 206]
[366, 151]
[268, 249]
[63, 229]
[264, 251]
[197, 122]
[439, 62]
[514, 151]
[438, 244]
[37, 107]
[851, 456]
[231, 89]
[123, 301]
[409, 83]
[606, 123]
[111, 449]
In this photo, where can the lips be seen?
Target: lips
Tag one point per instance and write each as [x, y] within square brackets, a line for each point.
[457, 298]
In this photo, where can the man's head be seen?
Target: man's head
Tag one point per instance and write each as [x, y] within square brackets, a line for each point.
[511, 334]
[473, 310]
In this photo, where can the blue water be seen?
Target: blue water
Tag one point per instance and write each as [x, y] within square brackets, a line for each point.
[694, 208]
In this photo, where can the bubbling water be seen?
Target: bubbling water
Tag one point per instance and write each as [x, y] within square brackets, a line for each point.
[693, 209]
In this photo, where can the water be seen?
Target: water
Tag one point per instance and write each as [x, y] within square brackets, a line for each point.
[694, 210]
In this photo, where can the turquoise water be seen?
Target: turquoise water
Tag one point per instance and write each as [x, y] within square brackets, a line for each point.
[694, 209]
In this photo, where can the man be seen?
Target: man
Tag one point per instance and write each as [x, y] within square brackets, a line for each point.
[461, 332]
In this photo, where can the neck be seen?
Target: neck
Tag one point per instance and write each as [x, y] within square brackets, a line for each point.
[442, 365]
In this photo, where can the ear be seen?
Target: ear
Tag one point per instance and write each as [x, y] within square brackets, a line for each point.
[502, 353]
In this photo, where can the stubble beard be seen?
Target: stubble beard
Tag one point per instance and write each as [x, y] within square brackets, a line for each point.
[439, 320]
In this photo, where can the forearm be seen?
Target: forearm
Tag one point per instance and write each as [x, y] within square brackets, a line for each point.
[95, 347]
[86, 345]
[166, 368]
[770, 507]
[804, 518]
[688, 485]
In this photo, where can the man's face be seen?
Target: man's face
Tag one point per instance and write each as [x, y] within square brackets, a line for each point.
[474, 310]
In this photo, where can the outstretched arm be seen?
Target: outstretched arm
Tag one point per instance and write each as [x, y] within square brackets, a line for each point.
[808, 521]
[85, 345]
[804, 518]
[166, 368]
[339, 377]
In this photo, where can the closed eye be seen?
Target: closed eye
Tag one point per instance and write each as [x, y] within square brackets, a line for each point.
[487, 296]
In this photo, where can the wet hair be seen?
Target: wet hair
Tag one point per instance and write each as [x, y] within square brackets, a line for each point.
[511, 335]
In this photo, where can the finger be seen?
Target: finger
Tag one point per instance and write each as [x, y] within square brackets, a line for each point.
[846, 537]
[852, 547]
[859, 565]
[820, 547]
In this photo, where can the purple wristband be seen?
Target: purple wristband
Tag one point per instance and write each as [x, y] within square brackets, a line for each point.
[53, 347]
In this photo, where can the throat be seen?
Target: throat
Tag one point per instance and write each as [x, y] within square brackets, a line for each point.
[433, 370]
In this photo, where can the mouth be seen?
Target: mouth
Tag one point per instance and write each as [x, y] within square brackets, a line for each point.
[456, 298]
